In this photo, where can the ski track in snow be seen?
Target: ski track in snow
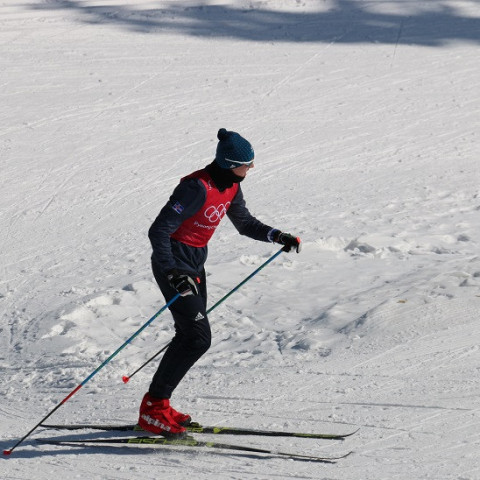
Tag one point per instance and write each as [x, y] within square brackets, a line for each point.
[364, 119]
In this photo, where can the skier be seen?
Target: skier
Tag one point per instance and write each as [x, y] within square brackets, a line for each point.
[179, 238]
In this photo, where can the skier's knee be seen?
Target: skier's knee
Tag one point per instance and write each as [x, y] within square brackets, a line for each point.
[201, 344]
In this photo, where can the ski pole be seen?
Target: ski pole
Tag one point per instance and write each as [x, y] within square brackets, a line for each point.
[243, 282]
[76, 389]
[126, 378]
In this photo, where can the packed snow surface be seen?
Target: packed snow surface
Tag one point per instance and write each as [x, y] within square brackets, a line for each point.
[364, 116]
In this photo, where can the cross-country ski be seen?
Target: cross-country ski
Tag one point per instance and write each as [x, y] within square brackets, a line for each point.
[188, 442]
[195, 427]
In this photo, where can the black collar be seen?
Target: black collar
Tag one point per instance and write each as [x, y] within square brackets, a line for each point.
[222, 177]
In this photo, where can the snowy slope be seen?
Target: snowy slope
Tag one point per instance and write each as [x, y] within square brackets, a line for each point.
[364, 117]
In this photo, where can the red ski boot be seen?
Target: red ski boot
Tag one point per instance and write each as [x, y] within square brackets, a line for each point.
[156, 417]
[181, 418]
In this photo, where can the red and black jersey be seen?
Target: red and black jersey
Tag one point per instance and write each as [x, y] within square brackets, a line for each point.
[197, 230]
[183, 228]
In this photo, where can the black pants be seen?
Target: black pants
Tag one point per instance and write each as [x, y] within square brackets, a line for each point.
[192, 336]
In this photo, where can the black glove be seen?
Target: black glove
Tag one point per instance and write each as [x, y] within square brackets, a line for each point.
[182, 283]
[289, 241]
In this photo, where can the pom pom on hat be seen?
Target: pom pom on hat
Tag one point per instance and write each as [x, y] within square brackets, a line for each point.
[233, 150]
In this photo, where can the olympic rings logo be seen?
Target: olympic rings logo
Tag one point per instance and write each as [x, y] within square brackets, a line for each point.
[215, 214]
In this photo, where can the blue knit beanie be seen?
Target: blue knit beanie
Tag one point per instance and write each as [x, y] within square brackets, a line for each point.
[233, 150]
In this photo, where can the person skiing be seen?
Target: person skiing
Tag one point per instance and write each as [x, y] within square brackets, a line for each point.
[179, 237]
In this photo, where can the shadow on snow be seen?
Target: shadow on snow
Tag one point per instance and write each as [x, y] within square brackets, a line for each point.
[432, 23]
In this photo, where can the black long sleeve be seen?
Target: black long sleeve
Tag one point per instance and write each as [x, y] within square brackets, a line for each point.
[185, 201]
[245, 222]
